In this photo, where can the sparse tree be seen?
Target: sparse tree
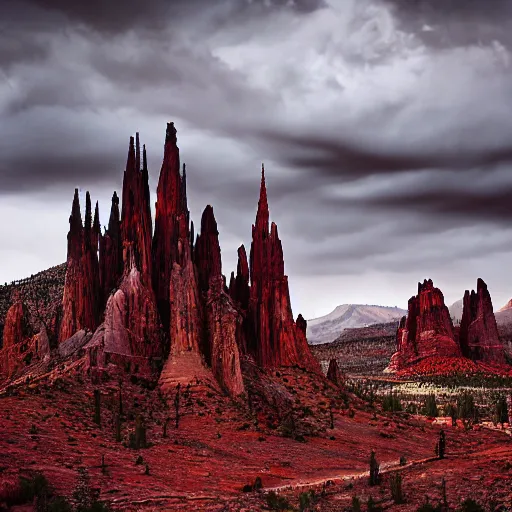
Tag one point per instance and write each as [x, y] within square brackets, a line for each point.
[177, 404]
[374, 469]
[97, 407]
[441, 445]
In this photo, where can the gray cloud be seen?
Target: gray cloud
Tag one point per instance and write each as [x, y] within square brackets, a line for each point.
[385, 128]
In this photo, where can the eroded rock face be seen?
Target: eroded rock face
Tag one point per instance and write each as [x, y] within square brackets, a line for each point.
[111, 252]
[478, 336]
[21, 346]
[131, 330]
[171, 221]
[277, 340]
[186, 315]
[333, 373]
[80, 305]
[224, 327]
[427, 330]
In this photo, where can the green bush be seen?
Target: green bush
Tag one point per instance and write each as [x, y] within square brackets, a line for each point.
[430, 407]
[395, 483]
[469, 505]
[276, 502]
[392, 403]
[356, 504]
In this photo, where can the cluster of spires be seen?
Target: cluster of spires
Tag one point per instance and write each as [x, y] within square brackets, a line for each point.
[177, 270]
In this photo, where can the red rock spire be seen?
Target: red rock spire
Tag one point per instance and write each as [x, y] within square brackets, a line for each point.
[207, 250]
[171, 221]
[96, 228]
[277, 341]
[136, 223]
[81, 300]
[479, 338]
[111, 251]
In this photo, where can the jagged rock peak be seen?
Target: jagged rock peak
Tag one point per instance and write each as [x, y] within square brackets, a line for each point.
[170, 133]
[113, 222]
[136, 221]
[427, 330]
[171, 222]
[75, 219]
[262, 215]
[302, 324]
[334, 373]
[478, 337]
[207, 249]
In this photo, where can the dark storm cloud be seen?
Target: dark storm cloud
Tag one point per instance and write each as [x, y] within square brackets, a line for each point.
[346, 159]
[370, 116]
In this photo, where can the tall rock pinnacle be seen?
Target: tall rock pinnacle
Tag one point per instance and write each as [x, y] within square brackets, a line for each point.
[277, 339]
[136, 223]
[478, 337]
[111, 251]
[81, 301]
[171, 221]
[207, 250]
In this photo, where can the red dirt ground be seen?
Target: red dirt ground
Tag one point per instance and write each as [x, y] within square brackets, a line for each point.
[220, 445]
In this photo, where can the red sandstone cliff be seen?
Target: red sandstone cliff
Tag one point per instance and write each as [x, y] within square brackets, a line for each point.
[478, 336]
[81, 304]
[427, 330]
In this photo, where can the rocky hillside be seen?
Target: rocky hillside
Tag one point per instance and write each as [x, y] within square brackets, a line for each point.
[348, 316]
[41, 293]
[360, 351]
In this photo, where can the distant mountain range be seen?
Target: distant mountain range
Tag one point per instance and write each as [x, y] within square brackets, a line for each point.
[329, 327]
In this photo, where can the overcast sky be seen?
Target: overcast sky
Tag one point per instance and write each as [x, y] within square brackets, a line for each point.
[385, 128]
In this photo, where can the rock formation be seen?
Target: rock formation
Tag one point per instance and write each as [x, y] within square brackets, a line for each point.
[507, 306]
[223, 319]
[131, 330]
[80, 305]
[426, 331]
[111, 252]
[207, 249]
[171, 221]
[136, 223]
[20, 346]
[277, 340]
[224, 325]
[333, 372]
[478, 336]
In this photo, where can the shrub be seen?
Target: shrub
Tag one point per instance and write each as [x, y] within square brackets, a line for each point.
[403, 460]
[356, 504]
[466, 406]
[276, 502]
[430, 406]
[374, 469]
[395, 482]
[428, 507]
[469, 505]
[392, 403]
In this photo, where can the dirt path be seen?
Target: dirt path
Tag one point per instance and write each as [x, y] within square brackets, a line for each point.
[337, 479]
